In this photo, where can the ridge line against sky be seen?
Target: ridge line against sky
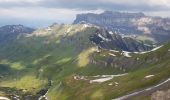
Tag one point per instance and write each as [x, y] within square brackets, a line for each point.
[37, 13]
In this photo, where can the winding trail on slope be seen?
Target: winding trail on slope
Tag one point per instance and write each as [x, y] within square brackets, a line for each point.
[145, 91]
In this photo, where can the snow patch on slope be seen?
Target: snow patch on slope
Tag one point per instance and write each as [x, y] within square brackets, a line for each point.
[110, 32]
[149, 76]
[97, 78]
[69, 29]
[48, 29]
[103, 38]
[87, 25]
[101, 80]
[113, 51]
[112, 54]
[154, 49]
[104, 78]
[126, 54]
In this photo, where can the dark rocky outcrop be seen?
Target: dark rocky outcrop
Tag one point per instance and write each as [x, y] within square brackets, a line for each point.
[112, 41]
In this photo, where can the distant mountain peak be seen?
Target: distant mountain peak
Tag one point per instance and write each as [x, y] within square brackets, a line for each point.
[15, 29]
[130, 23]
[10, 32]
[107, 17]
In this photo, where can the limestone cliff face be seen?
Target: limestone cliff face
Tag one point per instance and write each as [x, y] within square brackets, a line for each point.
[129, 23]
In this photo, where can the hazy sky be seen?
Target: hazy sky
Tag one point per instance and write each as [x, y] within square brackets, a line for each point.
[45, 12]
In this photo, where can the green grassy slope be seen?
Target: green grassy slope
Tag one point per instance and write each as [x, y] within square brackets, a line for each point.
[71, 89]
[64, 51]
[54, 55]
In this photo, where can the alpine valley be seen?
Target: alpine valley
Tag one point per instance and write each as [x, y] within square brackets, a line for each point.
[107, 56]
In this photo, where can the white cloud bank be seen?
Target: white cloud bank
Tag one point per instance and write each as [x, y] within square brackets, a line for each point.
[34, 15]
[64, 11]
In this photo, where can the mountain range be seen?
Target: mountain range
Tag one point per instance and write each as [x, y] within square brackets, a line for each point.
[138, 24]
[112, 55]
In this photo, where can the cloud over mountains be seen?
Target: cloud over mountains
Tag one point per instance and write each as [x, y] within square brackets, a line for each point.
[65, 10]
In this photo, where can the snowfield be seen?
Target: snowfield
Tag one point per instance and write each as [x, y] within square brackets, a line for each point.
[103, 38]
[104, 78]
[112, 54]
[69, 29]
[99, 78]
[149, 51]
[149, 76]
[126, 54]
[110, 32]
[113, 50]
